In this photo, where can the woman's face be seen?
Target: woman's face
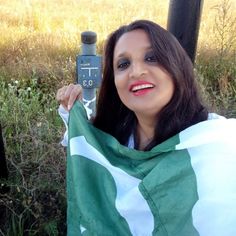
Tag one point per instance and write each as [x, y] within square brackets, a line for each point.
[143, 86]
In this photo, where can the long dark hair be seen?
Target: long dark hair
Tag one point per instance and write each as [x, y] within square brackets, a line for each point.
[185, 107]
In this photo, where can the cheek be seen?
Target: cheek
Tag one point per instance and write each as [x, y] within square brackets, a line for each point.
[121, 89]
[119, 82]
[118, 86]
[169, 85]
[171, 89]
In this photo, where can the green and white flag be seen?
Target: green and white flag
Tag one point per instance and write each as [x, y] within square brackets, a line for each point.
[185, 186]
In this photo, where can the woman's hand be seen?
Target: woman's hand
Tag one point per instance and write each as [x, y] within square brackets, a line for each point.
[67, 95]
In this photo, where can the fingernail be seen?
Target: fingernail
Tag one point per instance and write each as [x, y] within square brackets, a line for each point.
[69, 107]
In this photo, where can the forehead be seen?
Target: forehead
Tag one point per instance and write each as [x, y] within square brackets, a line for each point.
[132, 41]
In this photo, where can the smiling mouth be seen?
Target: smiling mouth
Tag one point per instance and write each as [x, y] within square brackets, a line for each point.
[141, 87]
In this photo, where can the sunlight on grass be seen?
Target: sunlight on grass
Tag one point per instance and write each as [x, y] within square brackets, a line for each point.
[45, 35]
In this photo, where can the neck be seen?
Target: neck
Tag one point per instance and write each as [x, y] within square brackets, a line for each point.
[145, 131]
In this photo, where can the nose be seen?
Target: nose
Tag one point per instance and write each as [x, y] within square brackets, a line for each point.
[137, 70]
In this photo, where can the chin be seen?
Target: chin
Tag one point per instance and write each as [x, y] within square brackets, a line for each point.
[147, 111]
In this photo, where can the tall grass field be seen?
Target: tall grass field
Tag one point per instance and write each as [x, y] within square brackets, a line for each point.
[39, 41]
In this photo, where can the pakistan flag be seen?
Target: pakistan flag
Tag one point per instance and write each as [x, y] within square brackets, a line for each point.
[185, 186]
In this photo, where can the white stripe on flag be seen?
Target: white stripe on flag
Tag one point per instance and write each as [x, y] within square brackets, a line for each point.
[129, 202]
[214, 164]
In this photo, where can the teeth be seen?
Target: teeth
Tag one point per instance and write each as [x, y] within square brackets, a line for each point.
[142, 86]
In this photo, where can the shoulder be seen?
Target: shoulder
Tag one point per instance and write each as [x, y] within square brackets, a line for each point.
[217, 129]
[218, 123]
[214, 116]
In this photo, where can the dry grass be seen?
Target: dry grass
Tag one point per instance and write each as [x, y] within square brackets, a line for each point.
[44, 36]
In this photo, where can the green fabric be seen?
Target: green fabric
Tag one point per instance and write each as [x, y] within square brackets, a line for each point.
[171, 191]
[168, 184]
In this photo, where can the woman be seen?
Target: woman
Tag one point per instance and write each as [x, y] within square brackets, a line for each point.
[157, 54]
[149, 102]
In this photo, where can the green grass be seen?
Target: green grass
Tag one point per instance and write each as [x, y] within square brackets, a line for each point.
[36, 160]
[38, 45]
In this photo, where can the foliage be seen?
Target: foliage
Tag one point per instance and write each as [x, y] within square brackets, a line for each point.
[218, 66]
[35, 204]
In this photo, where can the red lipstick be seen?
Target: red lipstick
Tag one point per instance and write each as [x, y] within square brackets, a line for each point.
[141, 88]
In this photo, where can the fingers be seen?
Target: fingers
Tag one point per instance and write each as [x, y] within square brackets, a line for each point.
[67, 95]
[61, 98]
[75, 93]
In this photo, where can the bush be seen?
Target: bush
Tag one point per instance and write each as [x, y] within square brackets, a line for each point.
[36, 203]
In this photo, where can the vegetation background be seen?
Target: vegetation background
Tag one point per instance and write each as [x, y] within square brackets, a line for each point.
[38, 45]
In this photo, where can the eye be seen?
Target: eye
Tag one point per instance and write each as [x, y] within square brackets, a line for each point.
[123, 64]
[150, 57]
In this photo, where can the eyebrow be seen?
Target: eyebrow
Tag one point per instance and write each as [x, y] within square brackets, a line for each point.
[123, 54]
